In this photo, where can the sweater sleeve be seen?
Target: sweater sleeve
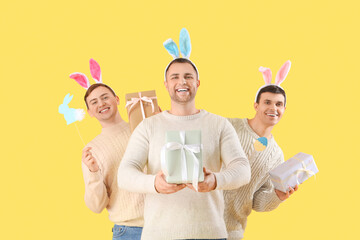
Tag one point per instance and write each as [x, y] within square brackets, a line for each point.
[265, 198]
[236, 171]
[96, 197]
[130, 173]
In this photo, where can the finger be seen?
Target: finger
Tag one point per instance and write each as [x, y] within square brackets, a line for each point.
[160, 109]
[296, 188]
[87, 149]
[189, 185]
[206, 172]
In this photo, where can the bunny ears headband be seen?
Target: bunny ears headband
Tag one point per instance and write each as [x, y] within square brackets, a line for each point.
[280, 76]
[81, 78]
[185, 48]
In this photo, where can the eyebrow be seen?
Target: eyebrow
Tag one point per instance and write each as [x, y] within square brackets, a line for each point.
[174, 74]
[99, 97]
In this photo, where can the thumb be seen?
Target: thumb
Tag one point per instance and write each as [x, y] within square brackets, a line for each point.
[206, 172]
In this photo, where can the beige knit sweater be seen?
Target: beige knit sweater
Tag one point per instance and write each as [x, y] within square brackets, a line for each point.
[101, 188]
[186, 213]
[259, 194]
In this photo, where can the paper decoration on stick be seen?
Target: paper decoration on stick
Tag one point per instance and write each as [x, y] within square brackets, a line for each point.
[71, 115]
[260, 144]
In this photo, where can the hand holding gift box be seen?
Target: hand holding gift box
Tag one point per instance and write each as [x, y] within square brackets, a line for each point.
[139, 106]
[293, 171]
[181, 157]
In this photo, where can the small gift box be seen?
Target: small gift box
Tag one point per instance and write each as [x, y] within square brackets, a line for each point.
[140, 105]
[293, 171]
[181, 157]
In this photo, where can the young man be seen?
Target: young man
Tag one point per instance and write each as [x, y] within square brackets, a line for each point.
[100, 160]
[259, 194]
[176, 211]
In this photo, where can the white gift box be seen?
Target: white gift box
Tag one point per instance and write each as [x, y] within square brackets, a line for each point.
[293, 171]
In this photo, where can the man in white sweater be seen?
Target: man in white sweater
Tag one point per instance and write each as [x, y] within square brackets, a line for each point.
[100, 161]
[259, 194]
[177, 211]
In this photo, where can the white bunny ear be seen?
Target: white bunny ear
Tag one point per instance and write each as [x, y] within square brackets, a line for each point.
[282, 73]
[171, 47]
[184, 43]
[267, 75]
[95, 71]
[81, 79]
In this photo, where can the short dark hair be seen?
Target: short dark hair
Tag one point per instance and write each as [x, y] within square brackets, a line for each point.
[272, 89]
[181, 60]
[93, 87]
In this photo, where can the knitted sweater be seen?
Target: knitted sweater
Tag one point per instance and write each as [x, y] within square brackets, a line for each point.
[259, 194]
[186, 213]
[101, 189]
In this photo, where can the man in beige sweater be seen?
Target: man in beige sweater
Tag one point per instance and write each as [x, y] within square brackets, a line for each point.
[259, 194]
[177, 211]
[100, 160]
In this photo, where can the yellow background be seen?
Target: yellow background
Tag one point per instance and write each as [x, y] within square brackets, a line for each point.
[42, 42]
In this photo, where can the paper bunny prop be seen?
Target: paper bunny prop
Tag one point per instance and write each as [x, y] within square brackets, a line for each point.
[81, 78]
[71, 115]
[280, 76]
[185, 48]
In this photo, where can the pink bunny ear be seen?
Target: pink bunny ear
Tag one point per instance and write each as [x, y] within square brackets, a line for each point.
[266, 74]
[95, 70]
[282, 73]
[81, 79]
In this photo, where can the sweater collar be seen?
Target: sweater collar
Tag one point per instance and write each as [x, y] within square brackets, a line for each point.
[252, 132]
[187, 117]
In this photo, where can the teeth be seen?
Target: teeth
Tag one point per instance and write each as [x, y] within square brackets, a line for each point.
[104, 110]
[272, 115]
[182, 90]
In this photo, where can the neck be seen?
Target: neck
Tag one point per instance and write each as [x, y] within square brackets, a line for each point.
[183, 109]
[111, 122]
[259, 128]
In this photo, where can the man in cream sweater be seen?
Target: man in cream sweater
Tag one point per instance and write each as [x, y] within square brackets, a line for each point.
[176, 211]
[259, 194]
[100, 161]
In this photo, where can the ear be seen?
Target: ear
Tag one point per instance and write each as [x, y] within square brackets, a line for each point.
[81, 79]
[282, 73]
[184, 43]
[256, 106]
[117, 100]
[95, 71]
[172, 48]
[267, 75]
[198, 83]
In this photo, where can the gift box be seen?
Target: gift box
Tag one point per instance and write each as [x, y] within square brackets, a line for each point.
[140, 105]
[181, 159]
[293, 171]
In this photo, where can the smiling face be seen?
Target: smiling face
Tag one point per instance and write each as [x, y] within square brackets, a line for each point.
[270, 108]
[181, 83]
[102, 104]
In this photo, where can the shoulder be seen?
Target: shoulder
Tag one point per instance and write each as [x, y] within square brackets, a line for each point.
[237, 123]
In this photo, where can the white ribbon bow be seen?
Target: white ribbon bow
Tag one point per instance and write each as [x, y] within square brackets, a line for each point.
[192, 149]
[140, 100]
[304, 169]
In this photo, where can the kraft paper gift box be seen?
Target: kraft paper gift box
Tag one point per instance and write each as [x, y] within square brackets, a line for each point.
[140, 105]
[181, 157]
[293, 171]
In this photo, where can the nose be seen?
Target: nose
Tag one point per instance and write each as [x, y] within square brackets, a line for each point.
[184, 81]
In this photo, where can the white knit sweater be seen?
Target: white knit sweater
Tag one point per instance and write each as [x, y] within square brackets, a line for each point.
[186, 213]
[101, 189]
[259, 194]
